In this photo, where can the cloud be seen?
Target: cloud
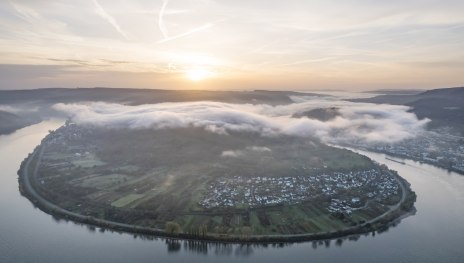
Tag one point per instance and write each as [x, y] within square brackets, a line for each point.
[360, 122]
[231, 153]
[239, 153]
[258, 149]
[16, 109]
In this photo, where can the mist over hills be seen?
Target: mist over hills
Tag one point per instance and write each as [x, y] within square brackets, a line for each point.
[444, 107]
[35, 102]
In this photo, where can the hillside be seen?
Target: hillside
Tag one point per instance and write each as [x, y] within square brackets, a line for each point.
[319, 114]
[9, 122]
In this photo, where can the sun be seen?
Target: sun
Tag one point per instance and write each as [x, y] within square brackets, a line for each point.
[197, 74]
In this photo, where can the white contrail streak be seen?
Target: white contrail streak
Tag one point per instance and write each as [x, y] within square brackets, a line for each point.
[101, 12]
[161, 24]
[203, 27]
[164, 30]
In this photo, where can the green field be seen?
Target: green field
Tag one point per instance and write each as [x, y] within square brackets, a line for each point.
[126, 200]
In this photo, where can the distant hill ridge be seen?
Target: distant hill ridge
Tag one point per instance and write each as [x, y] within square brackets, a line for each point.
[145, 96]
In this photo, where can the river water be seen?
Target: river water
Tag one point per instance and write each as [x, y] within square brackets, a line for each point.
[434, 234]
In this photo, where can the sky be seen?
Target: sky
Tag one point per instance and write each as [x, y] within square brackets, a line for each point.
[232, 44]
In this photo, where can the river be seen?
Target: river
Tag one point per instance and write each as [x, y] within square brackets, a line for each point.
[434, 234]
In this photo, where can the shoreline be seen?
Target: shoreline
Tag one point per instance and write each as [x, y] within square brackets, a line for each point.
[404, 157]
[401, 156]
[382, 222]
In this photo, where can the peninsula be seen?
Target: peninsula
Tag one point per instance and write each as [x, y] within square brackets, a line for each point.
[198, 184]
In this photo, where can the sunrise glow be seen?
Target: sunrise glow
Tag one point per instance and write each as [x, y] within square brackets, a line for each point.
[197, 74]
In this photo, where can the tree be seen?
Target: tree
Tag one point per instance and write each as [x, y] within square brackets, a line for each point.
[172, 228]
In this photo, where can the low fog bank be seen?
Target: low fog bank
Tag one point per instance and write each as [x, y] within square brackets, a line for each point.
[356, 122]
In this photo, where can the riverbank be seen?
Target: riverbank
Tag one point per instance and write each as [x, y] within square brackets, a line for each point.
[28, 171]
[407, 157]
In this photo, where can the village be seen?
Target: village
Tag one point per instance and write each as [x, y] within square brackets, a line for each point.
[440, 149]
[347, 191]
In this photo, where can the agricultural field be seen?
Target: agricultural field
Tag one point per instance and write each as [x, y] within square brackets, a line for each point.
[189, 180]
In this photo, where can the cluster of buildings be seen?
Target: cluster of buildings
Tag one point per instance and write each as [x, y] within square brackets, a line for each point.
[357, 186]
[344, 206]
[68, 133]
[440, 149]
[65, 133]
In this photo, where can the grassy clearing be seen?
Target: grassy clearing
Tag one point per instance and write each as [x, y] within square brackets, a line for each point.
[57, 156]
[128, 168]
[103, 181]
[126, 200]
[87, 162]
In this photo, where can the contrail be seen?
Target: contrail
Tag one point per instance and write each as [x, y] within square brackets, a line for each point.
[101, 12]
[161, 24]
[203, 27]
[304, 61]
[164, 30]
